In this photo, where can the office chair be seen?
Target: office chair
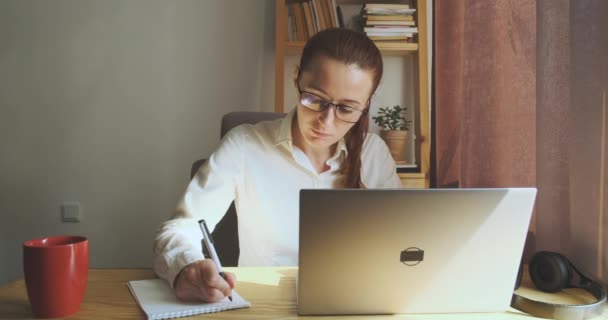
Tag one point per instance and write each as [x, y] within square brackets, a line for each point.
[225, 235]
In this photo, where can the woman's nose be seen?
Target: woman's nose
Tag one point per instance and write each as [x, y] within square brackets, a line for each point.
[327, 115]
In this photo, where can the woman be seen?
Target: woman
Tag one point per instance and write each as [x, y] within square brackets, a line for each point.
[322, 143]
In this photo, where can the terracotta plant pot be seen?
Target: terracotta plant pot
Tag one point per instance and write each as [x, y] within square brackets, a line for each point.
[395, 140]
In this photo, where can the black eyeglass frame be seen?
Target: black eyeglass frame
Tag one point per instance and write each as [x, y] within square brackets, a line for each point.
[326, 104]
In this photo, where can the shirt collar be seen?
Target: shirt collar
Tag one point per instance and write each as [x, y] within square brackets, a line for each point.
[341, 147]
[284, 136]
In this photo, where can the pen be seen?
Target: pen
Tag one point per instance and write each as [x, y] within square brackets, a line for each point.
[209, 244]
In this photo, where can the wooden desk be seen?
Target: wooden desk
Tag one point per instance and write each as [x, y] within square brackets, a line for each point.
[270, 290]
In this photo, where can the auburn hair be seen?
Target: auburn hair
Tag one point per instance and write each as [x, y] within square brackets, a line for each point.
[351, 48]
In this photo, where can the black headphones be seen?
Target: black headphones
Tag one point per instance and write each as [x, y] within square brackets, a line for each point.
[552, 272]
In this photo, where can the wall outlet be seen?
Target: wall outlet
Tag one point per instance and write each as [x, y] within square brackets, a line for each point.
[70, 212]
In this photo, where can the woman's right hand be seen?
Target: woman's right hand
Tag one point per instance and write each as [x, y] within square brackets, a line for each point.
[200, 281]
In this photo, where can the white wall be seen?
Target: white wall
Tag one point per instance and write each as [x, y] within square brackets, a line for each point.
[108, 103]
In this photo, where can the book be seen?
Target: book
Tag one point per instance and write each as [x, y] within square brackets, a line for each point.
[315, 15]
[158, 301]
[389, 18]
[386, 6]
[301, 27]
[291, 29]
[310, 22]
[334, 13]
[325, 6]
[395, 29]
[383, 11]
[389, 37]
[326, 24]
[390, 34]
[396, 44]
[391, 23]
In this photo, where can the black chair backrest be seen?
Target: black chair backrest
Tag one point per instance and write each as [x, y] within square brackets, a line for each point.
[233, 119]
[225, 235]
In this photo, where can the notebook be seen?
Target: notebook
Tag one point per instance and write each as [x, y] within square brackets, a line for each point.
[158, 301]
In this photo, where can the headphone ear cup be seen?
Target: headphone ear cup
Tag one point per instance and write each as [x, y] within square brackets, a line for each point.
[549, 271]
[568, 266]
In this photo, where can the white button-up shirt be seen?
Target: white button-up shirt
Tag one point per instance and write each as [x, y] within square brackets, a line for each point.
[259, 168]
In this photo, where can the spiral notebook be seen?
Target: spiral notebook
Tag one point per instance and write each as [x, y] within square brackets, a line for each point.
[158, 301]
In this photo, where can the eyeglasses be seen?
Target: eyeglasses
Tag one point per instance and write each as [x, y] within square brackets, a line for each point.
[343, 112]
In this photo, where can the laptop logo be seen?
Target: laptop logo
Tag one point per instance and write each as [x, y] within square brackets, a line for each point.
[412, 256]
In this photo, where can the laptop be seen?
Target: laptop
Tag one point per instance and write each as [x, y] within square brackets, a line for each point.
[381, 251]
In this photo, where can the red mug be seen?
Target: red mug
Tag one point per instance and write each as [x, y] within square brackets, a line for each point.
[56, 271]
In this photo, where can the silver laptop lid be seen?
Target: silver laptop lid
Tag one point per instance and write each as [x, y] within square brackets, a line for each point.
[410, 251]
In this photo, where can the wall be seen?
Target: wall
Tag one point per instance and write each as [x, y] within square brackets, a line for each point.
[108, 103]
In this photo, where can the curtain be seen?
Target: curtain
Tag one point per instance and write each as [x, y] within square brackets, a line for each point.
[484, 106]
[520, 100]
[588, 139]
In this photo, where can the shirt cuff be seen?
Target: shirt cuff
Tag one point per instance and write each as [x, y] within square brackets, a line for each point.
[175, 264]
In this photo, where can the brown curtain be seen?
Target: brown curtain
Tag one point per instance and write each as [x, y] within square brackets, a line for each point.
[520, 100]
[485, 94]
[588, 137]
[485, 97]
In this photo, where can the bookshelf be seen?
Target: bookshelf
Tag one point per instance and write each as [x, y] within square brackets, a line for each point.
[418, 176]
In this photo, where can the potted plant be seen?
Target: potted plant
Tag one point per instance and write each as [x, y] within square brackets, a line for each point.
[393, 129]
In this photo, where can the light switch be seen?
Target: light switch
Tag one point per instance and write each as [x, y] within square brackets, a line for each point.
[70, 212]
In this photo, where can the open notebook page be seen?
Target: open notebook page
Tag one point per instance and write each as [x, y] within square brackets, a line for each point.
[156, 298]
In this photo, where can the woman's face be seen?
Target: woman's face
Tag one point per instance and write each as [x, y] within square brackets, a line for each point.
[338, 83]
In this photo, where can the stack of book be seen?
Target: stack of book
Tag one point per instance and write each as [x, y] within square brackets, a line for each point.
[307, 17]
[389, 22]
